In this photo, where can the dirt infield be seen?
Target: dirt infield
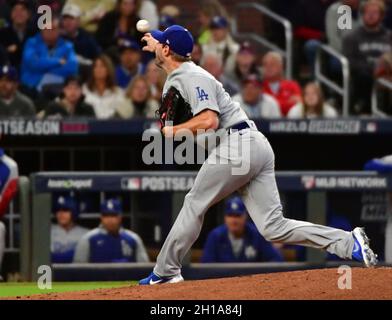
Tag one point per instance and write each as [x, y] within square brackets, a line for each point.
[311, 284]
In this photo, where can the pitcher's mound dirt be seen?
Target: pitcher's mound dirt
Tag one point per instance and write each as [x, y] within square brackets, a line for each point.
[311, 284]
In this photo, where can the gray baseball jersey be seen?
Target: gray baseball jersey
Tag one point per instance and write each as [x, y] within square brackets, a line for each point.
[218, 178]
[63, 242]
[202, 91]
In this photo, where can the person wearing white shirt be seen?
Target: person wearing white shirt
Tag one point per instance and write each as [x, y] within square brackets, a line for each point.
[313, 105]
[255, 103]
[101, 90]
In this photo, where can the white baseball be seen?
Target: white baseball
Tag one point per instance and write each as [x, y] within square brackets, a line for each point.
[143, 26]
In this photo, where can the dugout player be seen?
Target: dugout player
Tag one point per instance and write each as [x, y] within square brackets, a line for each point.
[66, 233]
[8, 188]
[214, 109]
[238, 239]
[110, 242]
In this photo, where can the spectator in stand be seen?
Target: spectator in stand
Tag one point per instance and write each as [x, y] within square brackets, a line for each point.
[93, 12]
[141, 104]
[238, 240]
[119, 22]
[110, 242]
[101, 90]
[363, 47]
[47, 59]
[66, 234]
[70, 104]
[13, 104]
[14, 36]
[255, 103]
[286, 92]
[197, 53]
[130, 62]
[335, 34]
[313, 105]
[245, 64]
[148, 10]
[208, 10]
[84, 44]
[222, 43]
[213, 64]
[156, 79]
[168, 16]
[310, 30]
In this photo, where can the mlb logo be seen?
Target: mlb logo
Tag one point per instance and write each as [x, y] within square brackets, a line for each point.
[131, 184]
[309, 182]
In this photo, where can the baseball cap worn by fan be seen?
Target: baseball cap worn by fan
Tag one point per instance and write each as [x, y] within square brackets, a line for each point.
[179, 39]
[9, 72]
[111, 207]
[71, 10]
[235, 206]
[125, 43]
[219, 22]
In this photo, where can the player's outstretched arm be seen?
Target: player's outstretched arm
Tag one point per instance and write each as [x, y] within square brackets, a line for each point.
[205, 120]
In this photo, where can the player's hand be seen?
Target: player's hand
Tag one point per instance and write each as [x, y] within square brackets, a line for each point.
[167, 132]
[151, 43]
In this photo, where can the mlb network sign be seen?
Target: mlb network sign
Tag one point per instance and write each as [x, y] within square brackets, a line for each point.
[346, 182]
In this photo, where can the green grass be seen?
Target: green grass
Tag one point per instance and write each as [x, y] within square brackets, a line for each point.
[24, 289]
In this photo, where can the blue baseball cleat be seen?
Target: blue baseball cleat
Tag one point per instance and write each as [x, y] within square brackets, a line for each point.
[362, 251]
[153, 279]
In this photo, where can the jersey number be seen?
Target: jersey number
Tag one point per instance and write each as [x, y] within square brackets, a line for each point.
[201, 94]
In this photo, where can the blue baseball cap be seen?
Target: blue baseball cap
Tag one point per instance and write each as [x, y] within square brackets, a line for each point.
[125, 43]
[112, 207]
[219, 22]
[66, 203]
[235, 206]
[9, 72]
[179, 39]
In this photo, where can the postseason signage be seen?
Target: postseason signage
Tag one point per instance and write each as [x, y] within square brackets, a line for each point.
[29, 127]
[177, 181]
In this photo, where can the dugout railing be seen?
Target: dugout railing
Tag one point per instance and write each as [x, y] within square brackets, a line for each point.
[315, 184]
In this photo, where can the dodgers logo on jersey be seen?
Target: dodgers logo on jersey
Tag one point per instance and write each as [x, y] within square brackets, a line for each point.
[201, 94]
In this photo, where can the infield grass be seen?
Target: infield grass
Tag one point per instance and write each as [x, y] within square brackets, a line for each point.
[17, 289]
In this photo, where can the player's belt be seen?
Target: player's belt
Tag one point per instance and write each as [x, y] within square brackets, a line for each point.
[239, 126]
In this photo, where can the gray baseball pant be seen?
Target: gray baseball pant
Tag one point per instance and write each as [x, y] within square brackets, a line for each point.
[217, 180]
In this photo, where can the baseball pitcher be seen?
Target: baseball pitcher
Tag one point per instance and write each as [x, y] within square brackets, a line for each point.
[190, 88]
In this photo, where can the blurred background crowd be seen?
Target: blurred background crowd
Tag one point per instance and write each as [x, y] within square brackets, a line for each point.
[91, 63]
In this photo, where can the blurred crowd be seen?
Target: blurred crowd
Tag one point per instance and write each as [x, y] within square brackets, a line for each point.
[90, 62]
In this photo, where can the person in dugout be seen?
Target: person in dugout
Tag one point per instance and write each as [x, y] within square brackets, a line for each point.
[110, 242]
[8, 187]
[238, 240]
[66, 233]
